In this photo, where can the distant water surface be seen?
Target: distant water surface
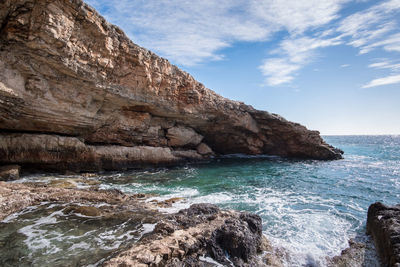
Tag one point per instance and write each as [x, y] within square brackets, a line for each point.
[310, 209]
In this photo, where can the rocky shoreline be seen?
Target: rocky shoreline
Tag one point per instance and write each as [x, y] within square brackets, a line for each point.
[201, 235]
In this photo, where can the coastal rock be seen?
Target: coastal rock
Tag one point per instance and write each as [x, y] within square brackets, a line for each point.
[69, 75]
[197, 236]
[15, 197]
[202, 235]
[383, 224]
[9, 172]
[183, 136]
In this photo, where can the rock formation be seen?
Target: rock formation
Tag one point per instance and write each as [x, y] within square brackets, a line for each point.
[192, 237]
[184, 239]
[383, 224]
[76, 93]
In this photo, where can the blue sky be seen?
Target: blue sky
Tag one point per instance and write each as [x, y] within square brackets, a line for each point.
[332, 65]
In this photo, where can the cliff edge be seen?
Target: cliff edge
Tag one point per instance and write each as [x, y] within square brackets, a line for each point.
[76, 93]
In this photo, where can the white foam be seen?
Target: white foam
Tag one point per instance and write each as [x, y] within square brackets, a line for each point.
[148, 228]
[210, 260]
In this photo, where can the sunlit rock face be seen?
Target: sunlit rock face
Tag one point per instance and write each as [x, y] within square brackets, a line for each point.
[96, 100]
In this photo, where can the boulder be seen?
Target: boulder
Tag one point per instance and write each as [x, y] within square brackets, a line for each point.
[183, 136]
[204, 149]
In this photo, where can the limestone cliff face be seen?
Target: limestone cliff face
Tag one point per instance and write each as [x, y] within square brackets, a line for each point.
[75, 91]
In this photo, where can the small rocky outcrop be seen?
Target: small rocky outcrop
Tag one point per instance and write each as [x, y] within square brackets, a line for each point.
[75, 92]
[186, 238]
[383, 224]
[9, 172]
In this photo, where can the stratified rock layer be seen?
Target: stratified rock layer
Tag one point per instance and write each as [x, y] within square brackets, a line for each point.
[383, 224]
[68, 75]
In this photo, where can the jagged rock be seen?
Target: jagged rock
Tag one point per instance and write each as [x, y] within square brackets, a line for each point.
[67, 73]
[204, 149]
[9, 172]
[184, 238]
[383, 224]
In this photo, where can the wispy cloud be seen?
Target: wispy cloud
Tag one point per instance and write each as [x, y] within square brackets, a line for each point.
[293, 53]
[187, 32]
[393, 79]
[191, 32]
[393, 67]
[373, 28]
[385, 64]
[366, 30]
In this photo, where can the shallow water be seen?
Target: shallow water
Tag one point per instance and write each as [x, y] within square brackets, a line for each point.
[50, 235]
[309, 208]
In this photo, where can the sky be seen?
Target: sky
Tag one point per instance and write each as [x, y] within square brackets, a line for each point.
[331, 65]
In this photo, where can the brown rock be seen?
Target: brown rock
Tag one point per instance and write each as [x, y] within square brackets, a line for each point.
[183, 136]
[84, 210]
[204, 149]
[64, 183]
[68, 73]
[9, 172]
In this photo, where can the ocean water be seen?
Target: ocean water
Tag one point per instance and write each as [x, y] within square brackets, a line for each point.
[310, 209]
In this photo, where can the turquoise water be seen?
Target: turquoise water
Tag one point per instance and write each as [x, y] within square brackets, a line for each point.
[309, 208]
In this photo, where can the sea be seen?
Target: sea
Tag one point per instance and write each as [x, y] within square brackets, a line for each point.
[310, 209]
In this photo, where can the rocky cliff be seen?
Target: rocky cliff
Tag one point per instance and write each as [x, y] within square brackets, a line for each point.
[76, 93]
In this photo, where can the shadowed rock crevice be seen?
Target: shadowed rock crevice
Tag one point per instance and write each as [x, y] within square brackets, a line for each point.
[65, 70]
[383, 224]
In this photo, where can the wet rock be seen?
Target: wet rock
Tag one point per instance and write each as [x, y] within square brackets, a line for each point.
[84, 210]
[9, 172]
[168, 202]
[184, 238]
[383, 224]
[239, 238]
[15, 197]
[353, 256]
[63, 183]
[76, 93]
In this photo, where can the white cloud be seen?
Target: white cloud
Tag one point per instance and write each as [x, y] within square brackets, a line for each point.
[187, 32]
[191, 32]
[345, 65]
[295, 53]
[296, 16]
[369, 29]
[278, 71]
[385, 64]
[393, 79]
